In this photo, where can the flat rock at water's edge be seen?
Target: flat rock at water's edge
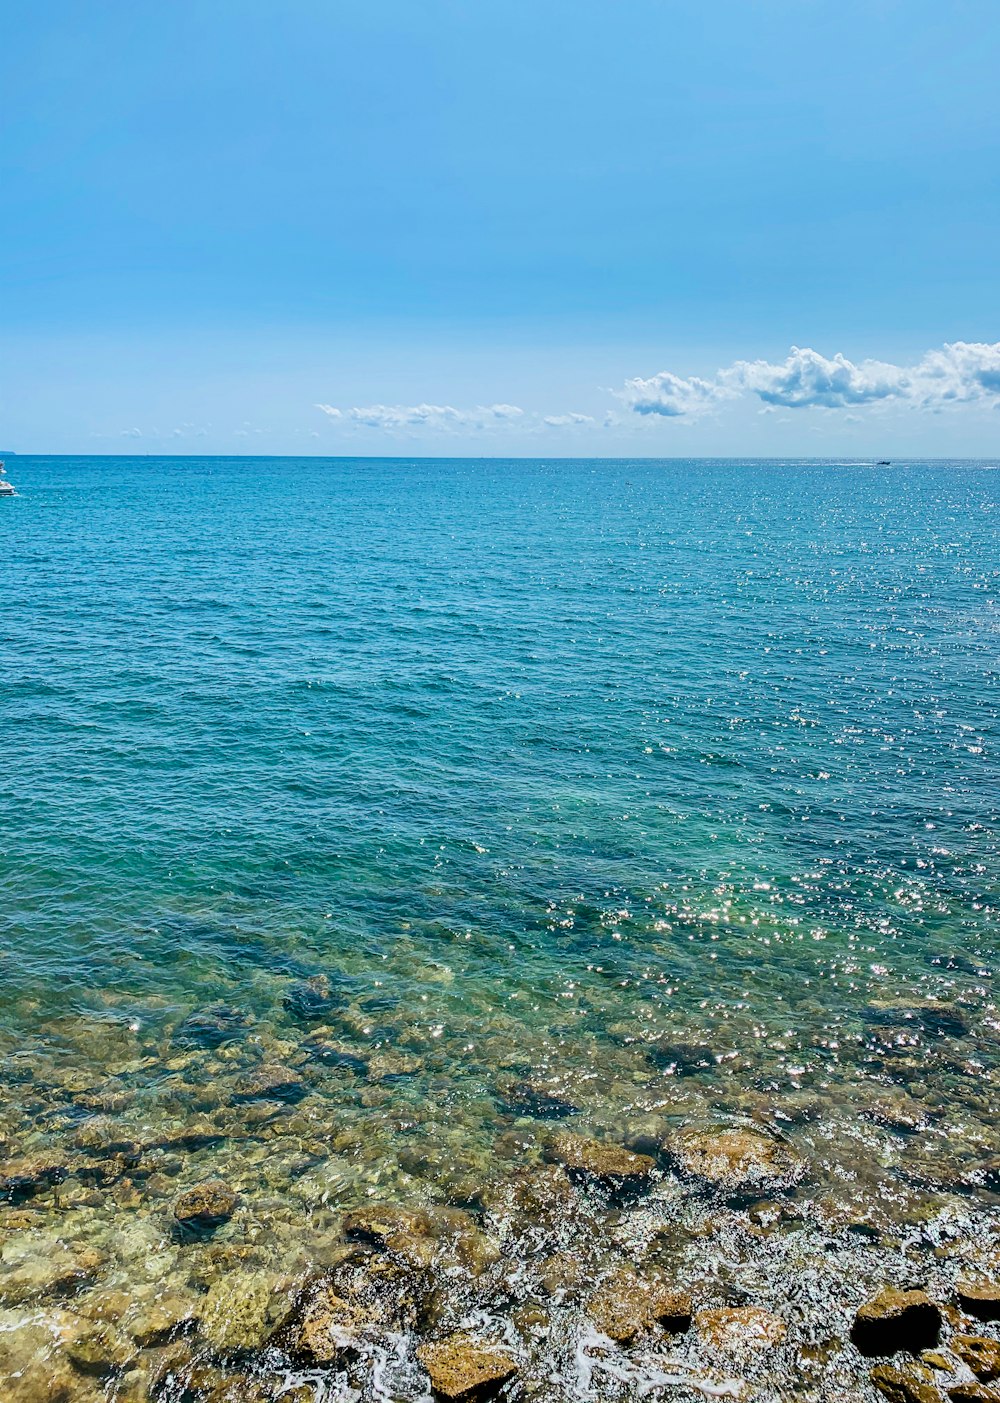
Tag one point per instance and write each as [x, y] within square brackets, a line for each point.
[896, 1320]
[911, 1384]
[734, 1158]
[463, 1369]
[611, 1167]
[979, 1354]
[980, 1298]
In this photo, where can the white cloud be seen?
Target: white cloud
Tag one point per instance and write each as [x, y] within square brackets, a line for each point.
[808, 379]
[962, 372]
[562, 421]
[671, 396]
[394, 417]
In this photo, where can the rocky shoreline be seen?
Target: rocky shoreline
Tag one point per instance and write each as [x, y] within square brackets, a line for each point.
[212, 1208]
[700, 1264]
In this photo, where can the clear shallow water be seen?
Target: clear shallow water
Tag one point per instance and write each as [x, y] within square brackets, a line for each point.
[672, 786]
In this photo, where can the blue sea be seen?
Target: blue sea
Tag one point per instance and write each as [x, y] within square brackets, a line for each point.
[486, 795]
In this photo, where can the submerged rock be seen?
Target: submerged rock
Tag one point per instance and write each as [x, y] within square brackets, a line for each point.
[52, 1271]
[155, 1323]
[528, 1098]
[896, 1320]
[597, 1162]
[211, 1027]
[463, 1369]
[271, 1082]
[23, 1178]
[205, 1206]
[911, 1384]
[978, 1354]
[935, 1020]
[736, 1160]
[333, 1052]
[980, 1298]
[313, 998]
[381, 1223]
[34, 1367]
[626, 1304]
[731, 1328]
[240, 1311]
[681, 1059]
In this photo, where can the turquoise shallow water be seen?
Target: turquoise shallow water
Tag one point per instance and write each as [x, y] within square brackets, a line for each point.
[561, 721]
[653, 786]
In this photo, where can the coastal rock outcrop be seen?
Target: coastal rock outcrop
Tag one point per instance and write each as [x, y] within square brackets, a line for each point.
[206, 1205]
[896, 1320]
[735, 1160]
[601, 1164]
[980, 1355]
[463, 1369]
[980, 1298]
[734, 1328]
[626, 1304]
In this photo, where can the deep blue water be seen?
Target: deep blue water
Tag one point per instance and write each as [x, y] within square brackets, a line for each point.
[552, 754]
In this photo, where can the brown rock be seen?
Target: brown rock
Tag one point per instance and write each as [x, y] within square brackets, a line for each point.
[625, 1305]
[610, 1167]
[56, 1271]
[271, 1082]
[100, 1350]
[911, 1384]
[736, 1159]
[730, 1328]
[980, 1355]
[980, 1298]
[973, 1393]
[531, 1197]
[895, 1320]
[464, 1368]
[21, 1178]
[163, 1319]
[205, 1206]
[380, 1223]
[328, 1328]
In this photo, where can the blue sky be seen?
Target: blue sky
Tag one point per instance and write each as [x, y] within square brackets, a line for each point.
[543, 228]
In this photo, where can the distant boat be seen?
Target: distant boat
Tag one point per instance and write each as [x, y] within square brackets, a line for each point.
[883, 463]
[6, 488]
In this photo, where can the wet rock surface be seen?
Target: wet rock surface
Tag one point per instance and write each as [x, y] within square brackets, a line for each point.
[206, 1205]
[896, 1320]
[600, 1164]
[736, 1160]
[980, 1298]
[464, 1368]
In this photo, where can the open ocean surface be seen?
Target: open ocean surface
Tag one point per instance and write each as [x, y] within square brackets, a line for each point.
[634, 784]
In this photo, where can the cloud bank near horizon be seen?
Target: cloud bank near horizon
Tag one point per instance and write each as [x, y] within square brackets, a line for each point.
[433, 416]
[960, 372]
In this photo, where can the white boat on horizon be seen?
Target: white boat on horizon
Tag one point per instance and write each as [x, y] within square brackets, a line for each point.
[6, 488]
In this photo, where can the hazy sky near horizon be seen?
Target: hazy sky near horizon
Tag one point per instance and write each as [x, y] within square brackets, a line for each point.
[345, 226]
